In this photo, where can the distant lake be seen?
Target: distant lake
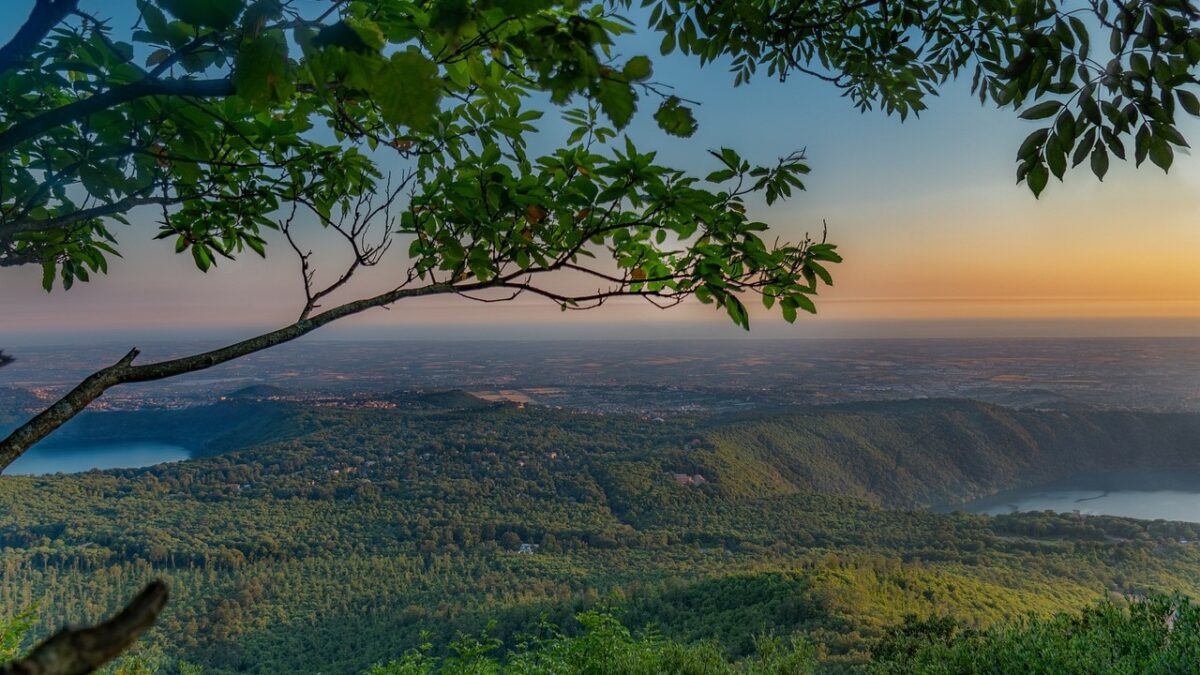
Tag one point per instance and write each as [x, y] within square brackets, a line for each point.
[1145, 495]
[77, 458]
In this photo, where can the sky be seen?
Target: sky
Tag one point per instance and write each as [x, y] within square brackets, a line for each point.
[937, 237]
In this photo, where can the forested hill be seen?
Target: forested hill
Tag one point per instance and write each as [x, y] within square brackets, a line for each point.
[915, 453]
[334, 537]
[938, 452]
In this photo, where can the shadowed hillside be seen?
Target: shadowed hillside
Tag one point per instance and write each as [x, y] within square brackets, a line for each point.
[937, 452]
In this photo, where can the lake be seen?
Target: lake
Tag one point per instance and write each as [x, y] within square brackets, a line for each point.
[77, 458]
[1146, 495]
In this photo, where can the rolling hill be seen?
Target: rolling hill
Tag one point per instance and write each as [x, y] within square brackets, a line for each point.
[325, 539]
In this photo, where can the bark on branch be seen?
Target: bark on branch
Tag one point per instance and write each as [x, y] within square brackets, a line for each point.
[36, 126]
[46, 15]
[8, 230]
[75, 651]
[125, 372]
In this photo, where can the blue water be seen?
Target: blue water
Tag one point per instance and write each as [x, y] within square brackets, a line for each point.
[77, 458]
[1147, 496]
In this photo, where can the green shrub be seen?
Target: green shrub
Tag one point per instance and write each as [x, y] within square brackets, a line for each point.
[603, 647]
[1158, 635]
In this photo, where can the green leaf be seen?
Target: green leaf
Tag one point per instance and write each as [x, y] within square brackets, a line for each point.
[1065, 128]
[1080, 30]
[217, 14]
[1142, 141]
[368, 32]
[805, 303]
[1037, 178]
[737, 312]
[1091, 111]
[356, 37]
[668, 44]
[409, 90]
[1099, 162]
[788, 307]
[202, 258]
[48, 274]
[1139, 64]
[449, 15]
[257, 244]
[1042, 110]
[617, 100]
[638, 68]
[1171, 134]
[1189, 102]
[1033, 143]
[1161, 153]
[1081, 151]
[674, 118]
[821, 272]
[260, 70]
[1056, 157]
[156, 21]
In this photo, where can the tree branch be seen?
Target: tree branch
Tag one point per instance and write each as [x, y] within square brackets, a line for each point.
[46, 15]
[119, 206]
[124, 372]
[9, 258]
[75, 651]
[36, 126]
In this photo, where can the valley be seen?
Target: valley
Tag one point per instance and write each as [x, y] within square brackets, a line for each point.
[326, 539]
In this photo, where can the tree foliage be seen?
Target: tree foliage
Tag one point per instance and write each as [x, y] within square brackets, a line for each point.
[416, 115]
[1150, 635]
[13, 632]
[604, 645]
[1103, 77]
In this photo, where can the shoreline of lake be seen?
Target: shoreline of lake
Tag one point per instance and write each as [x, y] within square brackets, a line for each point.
[82, 457]
[1145, 495]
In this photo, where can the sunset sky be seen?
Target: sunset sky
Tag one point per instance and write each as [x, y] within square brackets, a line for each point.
[938, 238]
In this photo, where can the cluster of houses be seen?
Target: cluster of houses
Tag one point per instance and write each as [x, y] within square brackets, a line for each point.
[688, 480]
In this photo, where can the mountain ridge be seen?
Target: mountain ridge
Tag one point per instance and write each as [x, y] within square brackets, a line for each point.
[941, 452]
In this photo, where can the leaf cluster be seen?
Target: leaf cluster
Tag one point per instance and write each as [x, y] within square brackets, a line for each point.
[223, 114]
[1036, 56]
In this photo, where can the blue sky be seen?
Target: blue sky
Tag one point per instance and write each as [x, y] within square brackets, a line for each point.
[937, 236]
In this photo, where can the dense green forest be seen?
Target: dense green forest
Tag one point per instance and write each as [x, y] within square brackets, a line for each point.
[329, 540]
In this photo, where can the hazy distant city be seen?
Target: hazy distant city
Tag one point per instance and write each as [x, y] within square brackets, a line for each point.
[665, 377]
